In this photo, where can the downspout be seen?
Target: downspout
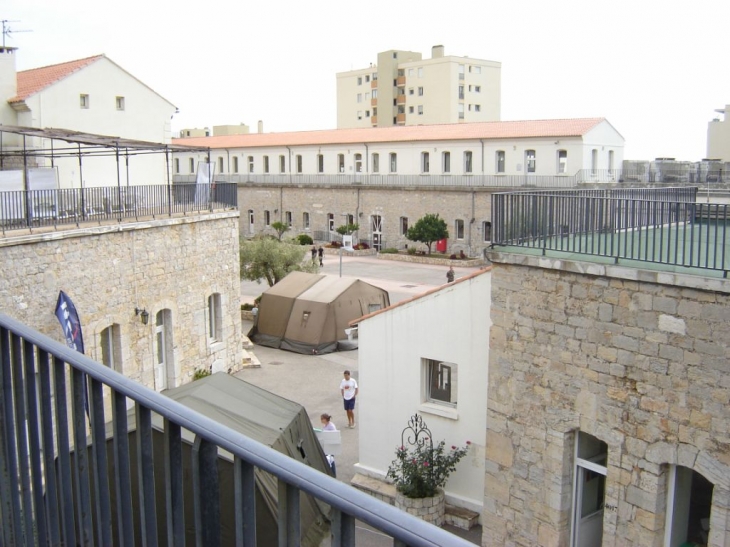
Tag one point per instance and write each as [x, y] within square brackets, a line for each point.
[367, 158]
[482, 141]
[289, 149]
[472, 221]
[228, 161]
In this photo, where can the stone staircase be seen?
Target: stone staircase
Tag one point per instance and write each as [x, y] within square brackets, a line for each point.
[455, 516]
[249, 359]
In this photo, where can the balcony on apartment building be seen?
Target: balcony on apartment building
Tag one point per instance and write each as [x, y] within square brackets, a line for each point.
[374, 83]
[114, 491]
[374, 120]
[400, 118]
[400, 99]
[374, 101]
[400, 81]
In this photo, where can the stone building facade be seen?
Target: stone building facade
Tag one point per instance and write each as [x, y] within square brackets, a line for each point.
[184, 272]
[608, 417]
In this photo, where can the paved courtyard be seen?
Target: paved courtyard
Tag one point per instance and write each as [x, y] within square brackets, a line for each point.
[313, 380]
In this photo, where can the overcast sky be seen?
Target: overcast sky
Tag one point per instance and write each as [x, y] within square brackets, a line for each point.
[656, 70]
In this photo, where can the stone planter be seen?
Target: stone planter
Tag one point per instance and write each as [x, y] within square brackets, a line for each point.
[428, 509]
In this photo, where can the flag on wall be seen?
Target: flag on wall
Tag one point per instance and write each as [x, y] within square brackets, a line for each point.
[70, 322]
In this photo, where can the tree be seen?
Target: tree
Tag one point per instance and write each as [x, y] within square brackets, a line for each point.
[428, 229]
[280, 228]
[270, 259]
[347, 229]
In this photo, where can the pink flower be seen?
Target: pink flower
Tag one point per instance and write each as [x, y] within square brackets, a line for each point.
[468, 442]
[425, 464]
[453, 447]
[414, 460]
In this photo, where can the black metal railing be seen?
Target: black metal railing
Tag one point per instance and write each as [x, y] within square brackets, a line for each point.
[664, 226]
[35, 208]
[53, 400]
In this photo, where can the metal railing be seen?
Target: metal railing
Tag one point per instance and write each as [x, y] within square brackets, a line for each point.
[52, 400]
[663, 226]
[664, 175]
[36, 208]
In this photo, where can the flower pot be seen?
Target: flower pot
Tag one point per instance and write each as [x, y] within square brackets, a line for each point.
[428, 509]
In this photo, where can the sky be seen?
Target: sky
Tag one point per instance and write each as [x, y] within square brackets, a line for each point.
[656, 70]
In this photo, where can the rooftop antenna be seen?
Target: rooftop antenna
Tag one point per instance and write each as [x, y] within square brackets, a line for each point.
[7, 31]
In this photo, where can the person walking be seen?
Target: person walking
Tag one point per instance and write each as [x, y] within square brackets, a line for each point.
[314, 253]
[450, 275]
[321, 255]
[349, 390]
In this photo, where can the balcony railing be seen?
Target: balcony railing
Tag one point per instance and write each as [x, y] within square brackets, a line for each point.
[36, 208]
[662, 226]
[52, 400]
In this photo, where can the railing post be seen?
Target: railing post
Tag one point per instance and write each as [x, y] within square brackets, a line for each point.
[206, 493]
[245, 503]
[122, 477]
[81, 459]
[146, 476]
[174, 483]
[288, 515]
[342, 529]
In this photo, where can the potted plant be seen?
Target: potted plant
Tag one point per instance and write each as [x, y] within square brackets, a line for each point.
[420, 470]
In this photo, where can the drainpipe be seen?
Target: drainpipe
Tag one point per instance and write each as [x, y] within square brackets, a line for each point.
[289, 149]
[367, 158]
[472, 220]
[482, 141]
[228, 160]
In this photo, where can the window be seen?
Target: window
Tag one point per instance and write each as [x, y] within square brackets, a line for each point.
[477, 108]
[461, 72]
[331, 222]
[487, 231]
[425, 162]
[461, 93]
[320, 163]
[250, 164]
[119, 101]
[340, 163]
[359, 114]
[420, 72]
[111, 347]
[358, 163]
[267, 218]
[367, 97]
[375, 94]
[299, 163]
[459, 228]
[594, 161]
[349, 220]
[469, 108]
[477, 89]
[359, 81]
[164, 365]
[591, 457]
[410, 91]
[441, 382]
[411, 110]
[420, 110]
[610, 161]
[359, 97]
[689, 502]
[215, 318]
[420, 92]
[562, 161]
[235, 164]
[84, 100]
[220, 164]
[266, 164]
[393, 162]
[367, 113]
[282, 164]
[530, 161]
[446, 162]
[192, 165]
[287, 218]
[475, 69]
[403, 225]
[411, 72]
[467, 161]
[177, 165]
[461, 111]
[376, 162]
[499, 160]
[251, 225]
[305, 220]
[367, 78]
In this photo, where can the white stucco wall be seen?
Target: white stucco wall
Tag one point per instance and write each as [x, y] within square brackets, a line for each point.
[451, 325]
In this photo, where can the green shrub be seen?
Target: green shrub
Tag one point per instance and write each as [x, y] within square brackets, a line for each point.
[246, 307]
[389, 251]
[304, 239]
[200, 373]
[411, 250]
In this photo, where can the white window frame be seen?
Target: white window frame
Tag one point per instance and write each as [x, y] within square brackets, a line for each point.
[110, 344]
[440, 382]
[562, 162]
[459, 229]
[215, 318]
[530, 161]
[403, 225]
[251, 165]
[468, 161]
[425, 162]
[305, 220]
[267, 218]
[393, 162]
[500, 160]
[446, 162]
[84, 101]
[119, 101]
[375, 160]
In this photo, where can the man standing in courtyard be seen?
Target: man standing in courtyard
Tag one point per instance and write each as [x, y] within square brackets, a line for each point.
[349, 390]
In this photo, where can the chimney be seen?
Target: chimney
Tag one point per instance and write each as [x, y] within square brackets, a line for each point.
[437, 52]
[261, 126]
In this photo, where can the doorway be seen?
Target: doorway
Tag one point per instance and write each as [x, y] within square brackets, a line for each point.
[591, 457]
[689, 503]
[164, 366]
[376, 222]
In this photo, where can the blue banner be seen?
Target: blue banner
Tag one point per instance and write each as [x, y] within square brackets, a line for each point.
[70, 322]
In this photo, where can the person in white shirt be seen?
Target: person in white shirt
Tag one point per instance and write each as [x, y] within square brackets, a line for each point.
[349, 390]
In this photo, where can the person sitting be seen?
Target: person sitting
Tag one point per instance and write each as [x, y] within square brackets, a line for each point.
[327, 425]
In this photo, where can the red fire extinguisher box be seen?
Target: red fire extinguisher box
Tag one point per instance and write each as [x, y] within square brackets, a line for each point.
[441, 246]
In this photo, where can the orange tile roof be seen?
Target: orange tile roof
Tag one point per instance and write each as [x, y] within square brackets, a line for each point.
[34, 80]
[455, 131]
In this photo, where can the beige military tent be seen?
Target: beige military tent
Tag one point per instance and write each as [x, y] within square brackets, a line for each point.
[308, 313]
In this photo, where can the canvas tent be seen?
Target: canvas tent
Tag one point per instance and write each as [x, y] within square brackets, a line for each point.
[308, 313]
[258, 414]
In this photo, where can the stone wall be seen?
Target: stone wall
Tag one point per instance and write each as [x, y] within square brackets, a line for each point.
[108, 271]
[639, 360]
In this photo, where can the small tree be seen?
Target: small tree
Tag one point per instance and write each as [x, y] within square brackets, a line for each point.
[347, 229]
[280, 228]
[428, 229]
[270, 259]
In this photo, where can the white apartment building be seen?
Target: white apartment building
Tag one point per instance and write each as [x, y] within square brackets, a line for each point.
[92, 95]
[405, 89]
[718, 136]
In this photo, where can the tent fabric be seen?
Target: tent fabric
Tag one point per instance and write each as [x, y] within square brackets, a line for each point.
[309, 313]
[259, 414]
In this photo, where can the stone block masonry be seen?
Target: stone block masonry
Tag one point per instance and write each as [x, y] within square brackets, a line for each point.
[639, 360]
[168, 267]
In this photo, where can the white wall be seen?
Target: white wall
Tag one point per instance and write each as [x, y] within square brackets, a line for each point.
[451, 325]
